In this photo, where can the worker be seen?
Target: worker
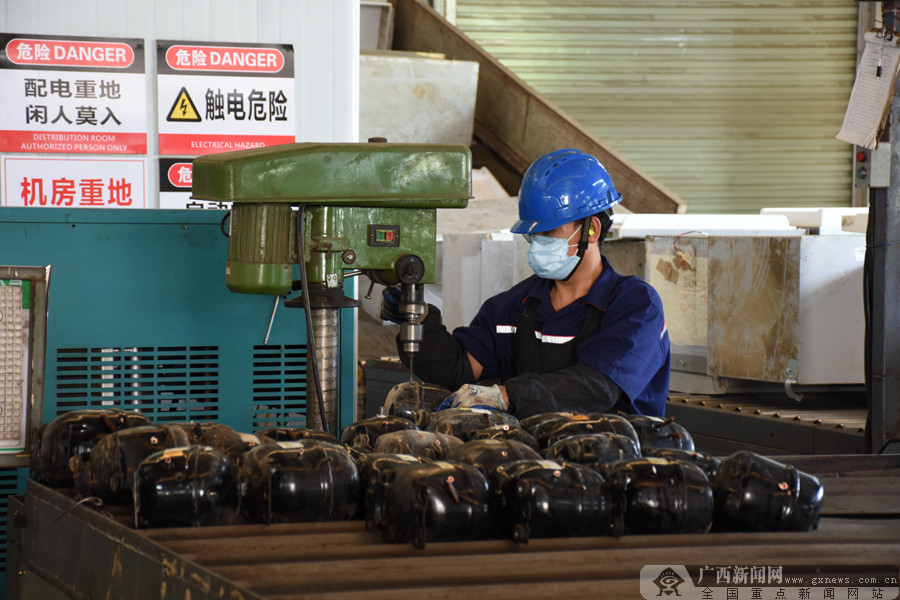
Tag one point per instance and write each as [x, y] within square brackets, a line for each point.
[576, 335]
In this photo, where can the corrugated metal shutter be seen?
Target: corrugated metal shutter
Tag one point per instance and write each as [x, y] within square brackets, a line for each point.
[732, 105]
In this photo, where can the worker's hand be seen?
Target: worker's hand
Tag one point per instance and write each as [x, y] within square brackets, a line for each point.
[390, 305]
[476, 396]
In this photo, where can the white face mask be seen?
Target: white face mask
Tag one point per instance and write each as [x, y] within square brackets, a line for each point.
[549, 257]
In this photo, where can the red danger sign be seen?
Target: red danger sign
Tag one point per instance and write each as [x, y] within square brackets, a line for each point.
[69, 53]
[223, 58]
[179, 174]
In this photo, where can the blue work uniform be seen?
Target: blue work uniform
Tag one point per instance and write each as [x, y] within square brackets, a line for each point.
[629, 343]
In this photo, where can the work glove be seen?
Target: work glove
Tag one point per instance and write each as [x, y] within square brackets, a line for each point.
[476, 396]
[390, 305]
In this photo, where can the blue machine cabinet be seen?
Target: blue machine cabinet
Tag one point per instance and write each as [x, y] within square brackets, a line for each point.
[140, 319]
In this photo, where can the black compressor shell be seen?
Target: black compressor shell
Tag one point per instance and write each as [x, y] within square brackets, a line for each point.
[181, 487]
[542, 498]
[74, 434]
[436, 502]
[301, 481]
[658, 495]
[755, 493]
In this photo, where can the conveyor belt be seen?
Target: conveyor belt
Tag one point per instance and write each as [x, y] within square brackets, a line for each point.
[860, 526]
[772, 424]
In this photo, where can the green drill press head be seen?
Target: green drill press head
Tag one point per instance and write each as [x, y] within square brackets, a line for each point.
[370, 207]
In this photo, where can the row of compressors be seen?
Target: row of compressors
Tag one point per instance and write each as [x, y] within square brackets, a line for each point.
[457, 474]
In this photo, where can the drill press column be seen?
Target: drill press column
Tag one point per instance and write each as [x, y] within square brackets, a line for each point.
[326, 329]
[367, 208]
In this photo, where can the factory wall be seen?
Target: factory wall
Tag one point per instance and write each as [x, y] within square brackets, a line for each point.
[324, 36]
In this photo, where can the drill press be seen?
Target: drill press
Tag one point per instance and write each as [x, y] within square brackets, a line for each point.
[336, 210]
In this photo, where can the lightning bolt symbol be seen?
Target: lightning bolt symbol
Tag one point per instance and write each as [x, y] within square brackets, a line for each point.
[183, 107]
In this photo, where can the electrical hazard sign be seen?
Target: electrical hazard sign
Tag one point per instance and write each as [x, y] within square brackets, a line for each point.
[72, 95]
[183, 109]
[222, 97]
[175, 183]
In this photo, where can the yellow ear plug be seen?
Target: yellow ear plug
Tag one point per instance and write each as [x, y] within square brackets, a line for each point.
[590, 232]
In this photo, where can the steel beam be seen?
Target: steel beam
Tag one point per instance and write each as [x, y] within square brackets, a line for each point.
[84, 554]
[883, 254]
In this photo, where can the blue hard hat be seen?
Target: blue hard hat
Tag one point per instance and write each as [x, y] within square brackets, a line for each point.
[560, 187]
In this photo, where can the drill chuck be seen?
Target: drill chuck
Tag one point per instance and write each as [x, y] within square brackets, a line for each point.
[412, 304]
[410, 337]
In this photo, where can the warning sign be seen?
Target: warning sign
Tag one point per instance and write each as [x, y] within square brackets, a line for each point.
[218, 98]
[74, 182]
[175, 182]
[72, 95]
[183, 109]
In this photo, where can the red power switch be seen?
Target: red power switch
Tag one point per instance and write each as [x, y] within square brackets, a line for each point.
[861, 156]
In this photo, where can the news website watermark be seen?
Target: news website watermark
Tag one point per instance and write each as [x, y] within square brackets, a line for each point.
[770, 582]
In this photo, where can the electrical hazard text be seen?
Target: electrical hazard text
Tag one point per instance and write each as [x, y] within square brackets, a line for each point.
[257, 106]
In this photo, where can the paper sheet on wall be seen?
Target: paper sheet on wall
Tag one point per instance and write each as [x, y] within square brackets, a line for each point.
[873, 90]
